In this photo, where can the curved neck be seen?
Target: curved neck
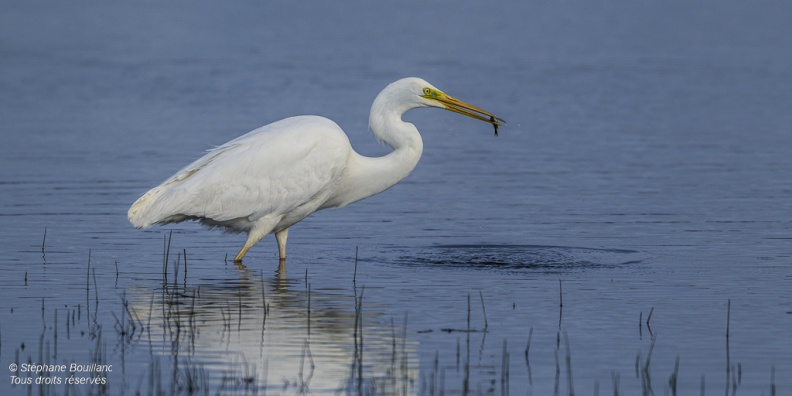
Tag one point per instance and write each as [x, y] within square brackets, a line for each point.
[367, 176]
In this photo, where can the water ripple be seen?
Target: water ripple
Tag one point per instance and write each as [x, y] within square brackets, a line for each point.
[520, 258]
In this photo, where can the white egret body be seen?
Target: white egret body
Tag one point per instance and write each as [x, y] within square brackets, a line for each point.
[271, 178]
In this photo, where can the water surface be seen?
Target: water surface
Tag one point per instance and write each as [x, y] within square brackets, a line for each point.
[633, 214]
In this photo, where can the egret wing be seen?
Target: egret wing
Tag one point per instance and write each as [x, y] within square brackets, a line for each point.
[282, 169]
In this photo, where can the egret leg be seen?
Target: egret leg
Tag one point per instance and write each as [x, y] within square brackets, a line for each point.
[281, 236]
[281, 272]
[242, 253]
[259, 231]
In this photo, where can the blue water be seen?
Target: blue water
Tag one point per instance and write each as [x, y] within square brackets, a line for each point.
[635, 209]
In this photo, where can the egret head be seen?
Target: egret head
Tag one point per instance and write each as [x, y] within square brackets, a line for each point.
[437, 98]
[413, 92]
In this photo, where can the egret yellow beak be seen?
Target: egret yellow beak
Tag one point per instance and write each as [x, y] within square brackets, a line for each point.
[458, 106]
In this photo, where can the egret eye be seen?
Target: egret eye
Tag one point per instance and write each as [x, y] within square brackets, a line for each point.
[427, 91]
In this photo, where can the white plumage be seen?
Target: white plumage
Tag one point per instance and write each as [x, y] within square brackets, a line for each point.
[272, 177]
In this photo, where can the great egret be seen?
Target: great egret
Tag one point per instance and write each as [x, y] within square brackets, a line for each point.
[272, 177]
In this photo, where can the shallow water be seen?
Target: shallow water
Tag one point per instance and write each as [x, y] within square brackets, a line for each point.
[633, 213]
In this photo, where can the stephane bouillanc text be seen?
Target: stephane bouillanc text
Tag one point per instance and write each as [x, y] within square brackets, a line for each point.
[71, 374]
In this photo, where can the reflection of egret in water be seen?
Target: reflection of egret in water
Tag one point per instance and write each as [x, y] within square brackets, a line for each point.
[255, 333]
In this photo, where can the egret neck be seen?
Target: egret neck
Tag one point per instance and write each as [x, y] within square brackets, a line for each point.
[367, 176]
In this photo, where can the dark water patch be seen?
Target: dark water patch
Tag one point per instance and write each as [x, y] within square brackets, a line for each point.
[523, 258]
